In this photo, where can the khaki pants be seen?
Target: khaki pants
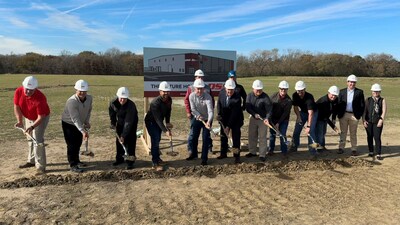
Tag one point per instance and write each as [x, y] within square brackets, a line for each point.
[349, 122]
[37, 154]
[257, 134]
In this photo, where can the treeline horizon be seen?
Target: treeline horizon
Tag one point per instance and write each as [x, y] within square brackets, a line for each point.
[258, 63]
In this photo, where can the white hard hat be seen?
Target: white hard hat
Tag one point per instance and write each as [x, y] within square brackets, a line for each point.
[376, 87]
[352, 77]
[199, 73]
[123, 92]
[334, 90]
[164, 86]
[283, 84]
[230, 84]
[300, 85]
[258, 85]
[30, 83]
[198, 83]
[81, 85]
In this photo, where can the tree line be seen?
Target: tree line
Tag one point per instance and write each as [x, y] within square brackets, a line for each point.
[258, 63]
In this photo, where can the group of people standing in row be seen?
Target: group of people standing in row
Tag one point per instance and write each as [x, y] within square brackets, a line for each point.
[267, 113]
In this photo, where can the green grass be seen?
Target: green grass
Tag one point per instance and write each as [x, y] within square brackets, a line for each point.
[58, 88]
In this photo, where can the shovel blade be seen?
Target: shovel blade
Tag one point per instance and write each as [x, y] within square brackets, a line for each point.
[171, 153]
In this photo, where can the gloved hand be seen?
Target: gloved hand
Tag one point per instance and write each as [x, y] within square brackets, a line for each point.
[257, 116]
[169, 126]
[112, 127]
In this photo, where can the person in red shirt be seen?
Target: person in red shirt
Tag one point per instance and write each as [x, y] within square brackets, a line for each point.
[31, 104]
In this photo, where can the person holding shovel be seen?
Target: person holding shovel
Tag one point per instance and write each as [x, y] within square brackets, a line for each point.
[75, 122]
[201, 106]
[124, 120]
[374, 115]
[307, 114]
[160, 109]
[199, 75]
[281, 106]
[31, 104]
[259, 106]
[327, 108]
[230, 117]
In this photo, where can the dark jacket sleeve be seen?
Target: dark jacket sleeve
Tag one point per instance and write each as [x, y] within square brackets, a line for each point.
[131, 120]
[155, 108]
[236, 114]
[249, 106]
[112, 112]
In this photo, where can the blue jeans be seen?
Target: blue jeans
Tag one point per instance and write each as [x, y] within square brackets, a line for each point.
[190, 138]
[299, 127]
[272, 135]
[196, 128]
[320, 132]
[155, 136]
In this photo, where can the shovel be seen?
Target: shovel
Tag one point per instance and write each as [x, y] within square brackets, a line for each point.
[277, 132]
[208, 128]
[126, 156]
[87, 152]
[30, 136]
[314, 144]
[234, 150]
[171, 146]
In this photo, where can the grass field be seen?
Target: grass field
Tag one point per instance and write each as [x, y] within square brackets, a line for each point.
[58, 88]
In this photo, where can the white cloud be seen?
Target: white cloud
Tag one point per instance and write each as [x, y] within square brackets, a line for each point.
[18, 46]
[341, 10]
[179, 44]
[230, 13]
[18, 23]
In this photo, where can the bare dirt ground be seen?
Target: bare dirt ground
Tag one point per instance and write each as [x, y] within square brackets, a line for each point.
[335, 189]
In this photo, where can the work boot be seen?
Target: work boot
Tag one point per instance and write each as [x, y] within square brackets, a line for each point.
[222, 156]
[249, 155]
[76, 169]
[204, 163]
[116, 163]
[191, 157]
[40, 172]
[158, 168]
[129, 165]
[237, 158]
[26, 165]
[293, 148]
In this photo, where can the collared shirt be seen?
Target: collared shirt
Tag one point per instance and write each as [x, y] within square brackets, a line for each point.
[77, 112]
[31, 106]
[350, 96]
[260, 105]
[125, 116]
[202, 106]
[158, 111]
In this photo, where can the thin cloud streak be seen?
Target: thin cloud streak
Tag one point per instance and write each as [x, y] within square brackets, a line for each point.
[225, 14]
[81, 6]
[129, 15]
[336, 11]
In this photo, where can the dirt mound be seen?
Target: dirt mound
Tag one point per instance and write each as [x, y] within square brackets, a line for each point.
[197, 171]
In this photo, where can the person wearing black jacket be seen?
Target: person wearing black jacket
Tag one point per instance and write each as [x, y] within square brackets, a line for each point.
[230, 116]
[238, 88]
[374, 115]
[327, 108]
[259, 106]
[124, 119]
[281, 107]
[160, 109]
[351, 109]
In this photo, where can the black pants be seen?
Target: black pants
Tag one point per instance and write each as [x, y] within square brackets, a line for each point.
[374, 133]
[73, 138]
[129, 143]
[236, 135]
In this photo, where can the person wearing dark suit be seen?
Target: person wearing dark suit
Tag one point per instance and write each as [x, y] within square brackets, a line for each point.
[351, 109]
[230, 116]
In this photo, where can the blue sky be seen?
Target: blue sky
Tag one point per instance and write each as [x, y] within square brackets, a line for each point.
[357, 27]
